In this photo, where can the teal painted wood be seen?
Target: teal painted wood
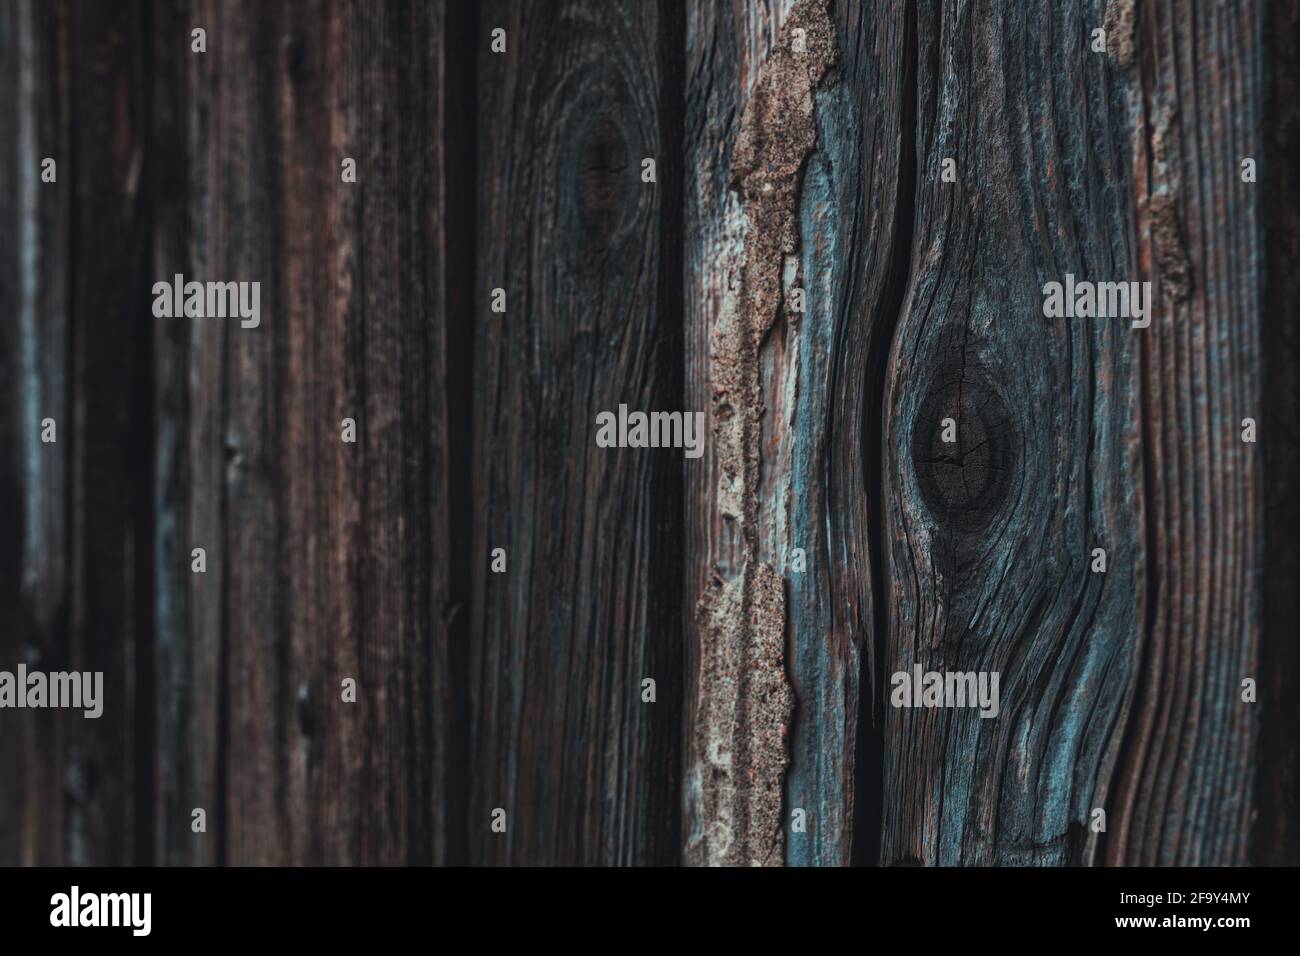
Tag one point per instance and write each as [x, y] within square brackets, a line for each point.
[855, 216]
[989, 546]
[821, 375]
[1122, 691]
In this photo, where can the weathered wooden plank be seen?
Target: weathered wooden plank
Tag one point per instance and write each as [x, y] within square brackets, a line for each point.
[1185, 791]
[735, 762]
[34, 352]
[327, 560]
[112, 431]
[81, 359]
[588, 606]
[817, 378]
[187, 462]
[990, 538]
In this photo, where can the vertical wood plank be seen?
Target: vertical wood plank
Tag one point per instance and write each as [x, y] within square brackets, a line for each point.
[989, 541]
[112, 429]
[727, 48]
[819, 375]
[327, 560]
[35, 352]
[588, 607]
[188, 459]
[82, 359]
[1186, 787]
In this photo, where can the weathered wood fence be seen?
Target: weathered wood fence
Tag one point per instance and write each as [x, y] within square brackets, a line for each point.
[915, 171]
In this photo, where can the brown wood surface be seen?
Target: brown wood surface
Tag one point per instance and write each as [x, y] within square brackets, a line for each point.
[817, 169]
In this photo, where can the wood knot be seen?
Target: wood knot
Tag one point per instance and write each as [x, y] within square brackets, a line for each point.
[602, 170]
[294, 52]
[600, 185]
[963, 451]
[307, 717]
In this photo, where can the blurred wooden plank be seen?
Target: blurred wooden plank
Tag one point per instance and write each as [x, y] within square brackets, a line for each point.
[35, 355]
[111, 561]
[588, 606]
[326, 560]
[187, 459]
[81, 357]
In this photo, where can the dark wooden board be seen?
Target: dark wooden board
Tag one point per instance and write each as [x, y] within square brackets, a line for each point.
[589, 257]
[1184, 794]
[79, 588]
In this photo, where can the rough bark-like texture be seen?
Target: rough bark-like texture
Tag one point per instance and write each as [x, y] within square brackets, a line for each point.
[588, 605]
[820, 371]
[743, 703]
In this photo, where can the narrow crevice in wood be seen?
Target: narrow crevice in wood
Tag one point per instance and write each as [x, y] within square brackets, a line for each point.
[1275, 837]
[868, 795]
[224, 728]
[461, 281]
[142, 455]
[670, 659]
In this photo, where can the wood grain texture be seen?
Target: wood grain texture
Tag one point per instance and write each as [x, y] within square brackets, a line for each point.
[1185, 788]
[820, 376]
[35, 543]
[990, 542]
[778, 170]
[587, 608]
[83, 589]
[326, 560]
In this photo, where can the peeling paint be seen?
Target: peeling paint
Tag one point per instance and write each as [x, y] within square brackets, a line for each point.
[745, 702]
[1120, 26]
